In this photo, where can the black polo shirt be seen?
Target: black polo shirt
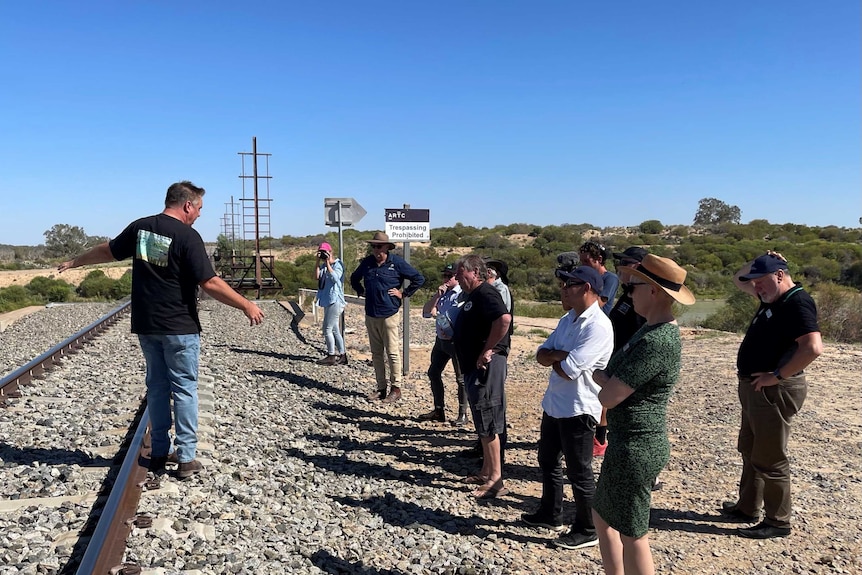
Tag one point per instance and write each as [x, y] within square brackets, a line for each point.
[771, 337]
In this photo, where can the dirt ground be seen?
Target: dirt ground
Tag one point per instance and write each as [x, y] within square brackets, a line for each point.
[687, 533]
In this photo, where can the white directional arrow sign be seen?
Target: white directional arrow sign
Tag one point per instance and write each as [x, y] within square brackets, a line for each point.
[349, 209]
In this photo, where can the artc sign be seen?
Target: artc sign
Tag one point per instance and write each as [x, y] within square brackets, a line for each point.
[406, 225]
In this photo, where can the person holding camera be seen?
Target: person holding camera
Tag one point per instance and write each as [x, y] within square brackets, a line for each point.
[330, 296]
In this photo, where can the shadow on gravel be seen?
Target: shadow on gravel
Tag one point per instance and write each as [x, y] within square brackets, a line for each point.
[688, 521]
[424, 445]
[329, 563]
[409, 515]
[305, 382]
[27, 456]
[275, 354]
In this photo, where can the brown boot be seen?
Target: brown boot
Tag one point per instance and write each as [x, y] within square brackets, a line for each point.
[394, 395]
[435, 415]
[328, 360]
[186, 470]
[342, 359]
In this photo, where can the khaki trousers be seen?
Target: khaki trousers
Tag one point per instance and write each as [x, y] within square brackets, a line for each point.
[763, 436]
[383, 340]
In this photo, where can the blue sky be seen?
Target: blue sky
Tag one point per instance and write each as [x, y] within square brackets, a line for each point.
[484, 112]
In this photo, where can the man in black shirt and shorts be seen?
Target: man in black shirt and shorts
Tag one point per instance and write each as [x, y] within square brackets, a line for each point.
[481, 339]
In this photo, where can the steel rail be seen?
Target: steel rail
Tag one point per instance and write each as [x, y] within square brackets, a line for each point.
[107, 545]
[23, 375]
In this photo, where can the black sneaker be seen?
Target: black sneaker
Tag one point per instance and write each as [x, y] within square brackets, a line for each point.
[763, 531]
[576, 540]
[541, 520]
[729, 509]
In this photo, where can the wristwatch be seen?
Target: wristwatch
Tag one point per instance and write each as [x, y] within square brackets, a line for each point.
[777, 374]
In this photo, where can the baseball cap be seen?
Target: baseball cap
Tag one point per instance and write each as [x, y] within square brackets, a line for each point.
[585, 274]
[764, 265]
[631, 253]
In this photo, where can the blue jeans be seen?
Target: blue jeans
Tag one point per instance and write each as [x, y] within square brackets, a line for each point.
[172, 373]
[332, 330]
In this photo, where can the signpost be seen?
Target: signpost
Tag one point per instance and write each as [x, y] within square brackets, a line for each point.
[341, 212]
[407, 226]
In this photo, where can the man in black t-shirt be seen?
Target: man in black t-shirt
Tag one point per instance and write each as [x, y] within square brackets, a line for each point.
[781, 341]
[169, 264]
[481, 337]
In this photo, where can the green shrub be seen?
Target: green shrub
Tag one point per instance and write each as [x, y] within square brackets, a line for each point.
[839, 312]
[651, 227]
[96, 285]
[52, 290]
[123, 286]
[16, 297]
[735, 315]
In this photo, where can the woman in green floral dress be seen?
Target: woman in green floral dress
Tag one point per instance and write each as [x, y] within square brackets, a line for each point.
[636, 386]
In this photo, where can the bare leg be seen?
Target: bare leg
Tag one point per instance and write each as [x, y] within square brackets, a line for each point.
[491, 465]
[637, 555]
[610, 545]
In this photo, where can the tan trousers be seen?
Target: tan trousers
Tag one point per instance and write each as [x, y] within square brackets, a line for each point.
[383, 340]
[763, 436]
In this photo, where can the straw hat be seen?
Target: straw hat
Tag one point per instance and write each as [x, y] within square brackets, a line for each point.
[381, 238]
[666, 274]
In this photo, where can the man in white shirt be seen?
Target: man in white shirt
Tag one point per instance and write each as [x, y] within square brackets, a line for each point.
[582, 343]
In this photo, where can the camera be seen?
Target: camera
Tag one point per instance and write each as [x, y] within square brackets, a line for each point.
[322, 255]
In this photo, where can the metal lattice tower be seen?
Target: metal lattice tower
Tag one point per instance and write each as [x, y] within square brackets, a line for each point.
[244, 225]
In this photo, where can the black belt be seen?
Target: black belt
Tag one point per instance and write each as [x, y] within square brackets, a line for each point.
[745, 376]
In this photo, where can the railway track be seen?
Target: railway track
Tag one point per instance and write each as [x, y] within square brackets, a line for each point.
[104, 502]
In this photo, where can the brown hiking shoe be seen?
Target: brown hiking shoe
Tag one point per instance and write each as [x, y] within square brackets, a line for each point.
[377, 395]
[186, 470]
[328, 360]
[393, 396]
[342, 359]
[435, 415]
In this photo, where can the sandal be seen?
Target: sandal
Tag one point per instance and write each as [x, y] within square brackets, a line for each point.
[474, 480]
[491, 493]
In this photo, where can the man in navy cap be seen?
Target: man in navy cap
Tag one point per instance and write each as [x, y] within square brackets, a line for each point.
[582, 342]
[444, 306]
[781, 341]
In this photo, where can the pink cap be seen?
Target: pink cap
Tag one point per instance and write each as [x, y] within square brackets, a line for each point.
[325, 247]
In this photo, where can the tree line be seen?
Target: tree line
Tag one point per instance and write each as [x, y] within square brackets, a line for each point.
[827, 260]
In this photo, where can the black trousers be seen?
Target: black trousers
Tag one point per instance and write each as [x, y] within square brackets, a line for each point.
[443, 351]
[572, 438]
